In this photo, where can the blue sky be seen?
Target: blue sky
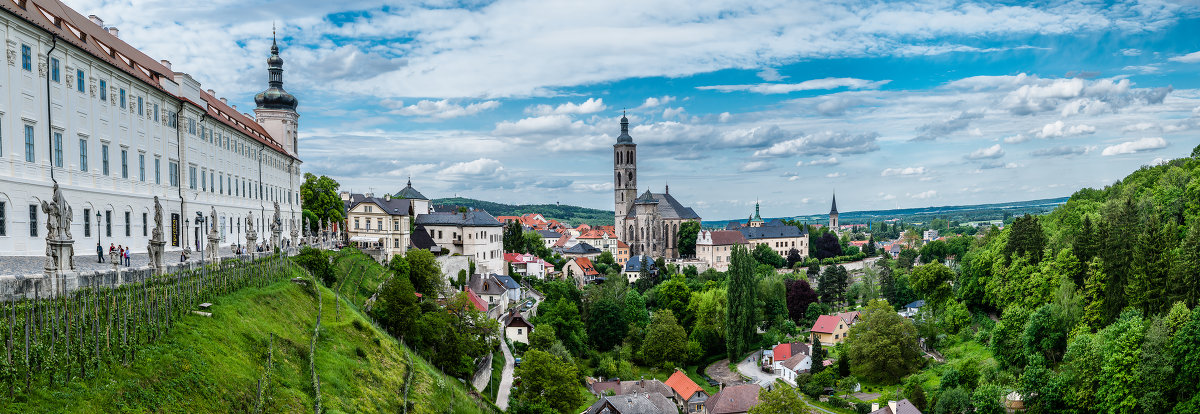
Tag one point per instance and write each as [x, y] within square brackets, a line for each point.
[889, 104]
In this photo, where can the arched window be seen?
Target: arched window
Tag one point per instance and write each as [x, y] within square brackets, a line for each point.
[618, 180]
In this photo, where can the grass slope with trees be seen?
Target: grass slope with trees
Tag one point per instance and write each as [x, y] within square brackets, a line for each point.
[566, 214]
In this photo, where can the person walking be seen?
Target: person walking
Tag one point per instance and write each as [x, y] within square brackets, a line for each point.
[120, 255]
[99, 253]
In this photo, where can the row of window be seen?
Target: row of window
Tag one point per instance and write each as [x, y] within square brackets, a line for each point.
[378, 224]
[105, 219]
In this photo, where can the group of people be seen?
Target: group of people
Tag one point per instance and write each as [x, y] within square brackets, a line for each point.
[121, 252]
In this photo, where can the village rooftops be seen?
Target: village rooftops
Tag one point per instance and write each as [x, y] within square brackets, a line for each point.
[826, 324]
[473, 218]
[733, 399]
[682, 385]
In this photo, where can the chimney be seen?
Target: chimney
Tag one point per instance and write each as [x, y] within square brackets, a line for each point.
[225, 101]
[234, 107]
[166, 63]
[874, 407]
[96, 19]
[892, 406]
[113, 31]
[212, 92]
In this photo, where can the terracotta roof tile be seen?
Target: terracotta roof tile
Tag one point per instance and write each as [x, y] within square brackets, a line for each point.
[826, 324]
[682, 385]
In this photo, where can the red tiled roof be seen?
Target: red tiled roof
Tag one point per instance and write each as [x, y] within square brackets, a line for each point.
[622, 245]
[849, 317]
[727, 237]
[826, 324]
[586, 264]
[476, 300]
[786, 350]
[682, 385]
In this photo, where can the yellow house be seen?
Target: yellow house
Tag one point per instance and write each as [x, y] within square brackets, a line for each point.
[832, 329]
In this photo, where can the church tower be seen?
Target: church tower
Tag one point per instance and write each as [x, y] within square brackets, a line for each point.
[833, 215]
[276, 108]
[625, 177]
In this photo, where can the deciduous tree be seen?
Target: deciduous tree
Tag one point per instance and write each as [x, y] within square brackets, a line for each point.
[883, 345]
[799, 296]
[780, 400]
[548, 380]
[740, 326]
[687, 238]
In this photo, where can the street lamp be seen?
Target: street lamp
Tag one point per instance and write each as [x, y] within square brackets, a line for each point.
[99, 245]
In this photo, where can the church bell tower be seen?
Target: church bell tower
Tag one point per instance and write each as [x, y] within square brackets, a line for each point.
[276, 108]
[625, 177]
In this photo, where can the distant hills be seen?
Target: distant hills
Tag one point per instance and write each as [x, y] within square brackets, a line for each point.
[967, 213]
[575, 215]
[567, 214]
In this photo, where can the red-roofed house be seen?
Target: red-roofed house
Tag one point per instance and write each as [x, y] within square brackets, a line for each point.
[528, 265]
[604, 240]
[478, 302]
[716, 247]
[687, 394]
[829, 329]
[581, 270]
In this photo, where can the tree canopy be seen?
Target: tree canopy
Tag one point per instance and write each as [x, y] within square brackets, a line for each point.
[883, 345]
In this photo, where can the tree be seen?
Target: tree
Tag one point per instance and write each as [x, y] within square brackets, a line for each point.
[799, 296]
[425, 272]
[320, 200]
[832, 285]
[452, 340]
[687, 238]
[666, 341]
[514, 237]
[1086, 245]
[906, 258]
[1196, 152]
[772, 300]
[317, 264]
[932, 281]
[709, 308]
[1122, 352]
[1094, 295]
[818, 358]
[793, 257]
[396, 308]
[934, 251]
[674, 294]
[883, 345]
[1006, 337]
[1147, 285]
[815, 310]
[887, 286]
[953, 401]
[1026, 239]
[780, 400]
[542, 337]
[1185, 349]
[827, 246]
[1187, 265]
[764, 254]
[563, 315]
[635, 312]
[740, 326]
[605, 326]
[605, 261]
[986, 399]
[869, 248]
[916, 395]
[548, 380]
[1046, 333]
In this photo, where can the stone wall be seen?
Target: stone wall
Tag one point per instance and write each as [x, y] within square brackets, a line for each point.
[43, 286]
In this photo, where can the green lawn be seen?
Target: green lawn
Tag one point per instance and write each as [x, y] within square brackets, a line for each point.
[497, 374]
[214, 365]
[693, 372]
[588, 399]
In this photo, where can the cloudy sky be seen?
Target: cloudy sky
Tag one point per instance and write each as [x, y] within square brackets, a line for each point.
[890, 105]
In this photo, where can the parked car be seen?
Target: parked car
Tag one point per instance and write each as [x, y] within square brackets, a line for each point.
[516, 362]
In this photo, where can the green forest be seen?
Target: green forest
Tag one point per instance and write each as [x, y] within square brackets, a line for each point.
[566, 214]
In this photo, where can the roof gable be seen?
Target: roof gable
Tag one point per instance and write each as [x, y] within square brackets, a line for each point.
[682, 385]
[826, 324]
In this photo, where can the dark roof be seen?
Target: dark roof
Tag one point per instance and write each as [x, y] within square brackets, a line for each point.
[646, 198]
[508, 282]
[421, 239]
[668, 207]
[486, 285]
[833, 209]
[624, 138]
[916, 304]
[549, 234]
[733, 399]
[795, 360]
[733, 225]
[474, 218]
[393, 206]
[518, 321]
[770, 232]
[635, 264]
[409, 192]
[653, 403]
[582, 248]
[902, 407]
[644, 386]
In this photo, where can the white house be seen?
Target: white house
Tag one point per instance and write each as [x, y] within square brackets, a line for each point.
[475, 234]
[518, 329]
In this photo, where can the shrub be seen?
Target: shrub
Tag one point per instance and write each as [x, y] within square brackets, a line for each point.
[315, 262]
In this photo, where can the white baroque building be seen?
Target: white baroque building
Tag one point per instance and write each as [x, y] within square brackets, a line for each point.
[116, 128]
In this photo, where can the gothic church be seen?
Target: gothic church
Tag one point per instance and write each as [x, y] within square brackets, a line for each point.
[649, 223]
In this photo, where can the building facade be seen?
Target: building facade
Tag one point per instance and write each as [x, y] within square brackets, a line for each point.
[380, 223]
[649, 223]
[716, 247]
[475, 234]
[116, 128]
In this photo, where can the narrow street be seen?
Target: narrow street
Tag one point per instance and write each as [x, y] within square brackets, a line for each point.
[748, 367]
[506, 378]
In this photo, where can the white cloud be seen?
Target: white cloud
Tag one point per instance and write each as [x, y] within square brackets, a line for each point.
[1188, 58]
[991, 152]
[480, 168]
[725, 117]
[591, 105]
[1144, 69]
[825, 161]
[808, 85]
[823, 143]
[941, 128]
[1131, 52]
[756, 166]
[1016, 139]
[441, 109]
[1130, 147]
[923, 195]
[591, 187]
[771, 75]
[1062, 151]
[886, 197]
[674, 113]
[652, 102]
[536, 125]
[1140, 126]
[906, 171]
[834, 175]
[1058, 129]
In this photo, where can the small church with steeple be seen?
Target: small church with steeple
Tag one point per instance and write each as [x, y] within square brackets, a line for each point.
[833, 215]
[648, 223]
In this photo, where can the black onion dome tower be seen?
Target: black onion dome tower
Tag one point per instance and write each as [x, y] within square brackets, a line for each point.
[275, 97]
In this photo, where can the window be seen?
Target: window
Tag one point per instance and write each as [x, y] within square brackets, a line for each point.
[27, 63]
[191, 126]
[395, 225]
[128, 224]
[87, 222]
[157, 170]
[104, 159]
[172, 120]
[396, 243]
[54, 72]
[142, 167]
[103, 90]
[204, 180]
[173, 171]
[124, 163]
[356, 223]
[141, 107]
[122, 90]
[79, 85]
[58, 153]
[4, 220]
[83, 155]
[29, 143]
[108, 223]
[155, 112]
[367, 208]
[212, 181]
[221, 183]
[192, 177]
[33, 220]
[379, 224]
[145, 224]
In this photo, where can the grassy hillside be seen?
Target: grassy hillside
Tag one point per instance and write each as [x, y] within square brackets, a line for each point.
[214, 364]
[572, 215]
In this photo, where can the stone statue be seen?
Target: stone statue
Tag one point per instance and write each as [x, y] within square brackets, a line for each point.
[276, 221]
[60, 248]
[212, 230]
[251, 233]
[214, 238]
[157, 235]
